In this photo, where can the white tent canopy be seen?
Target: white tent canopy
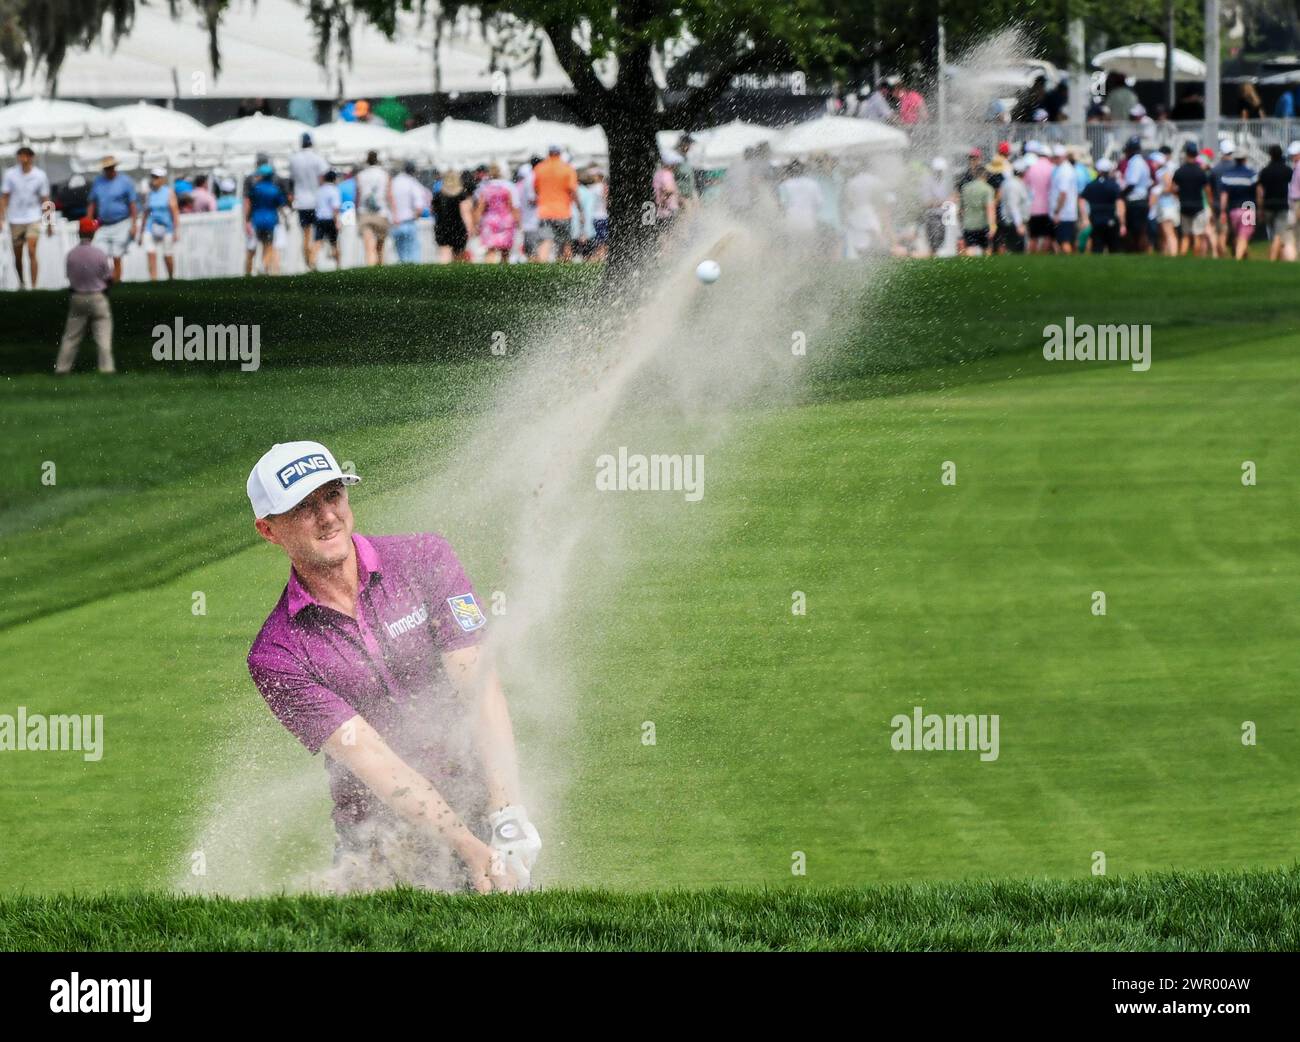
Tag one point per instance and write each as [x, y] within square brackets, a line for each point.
[342, 142]
[724, 145]
[1146, 61]
[537, 135]
[838, 136]
[461, 142]
[152, 126]
[52, 122]
[259, 133]
[268, 50]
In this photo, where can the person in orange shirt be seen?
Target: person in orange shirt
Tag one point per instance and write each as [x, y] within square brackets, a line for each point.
[557, 190]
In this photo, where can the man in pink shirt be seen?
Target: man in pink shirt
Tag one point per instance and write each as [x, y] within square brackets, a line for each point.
[90, 273]
[372, 655]
[201, 198]
[911, 105]
[1038, 179]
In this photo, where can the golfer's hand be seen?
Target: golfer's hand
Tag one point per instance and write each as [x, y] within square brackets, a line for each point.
[516, 840]
[487, 870]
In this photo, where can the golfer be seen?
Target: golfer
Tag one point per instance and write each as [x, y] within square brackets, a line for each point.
[372, 655]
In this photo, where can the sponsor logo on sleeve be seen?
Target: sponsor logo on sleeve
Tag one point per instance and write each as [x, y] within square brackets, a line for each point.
[467, 612]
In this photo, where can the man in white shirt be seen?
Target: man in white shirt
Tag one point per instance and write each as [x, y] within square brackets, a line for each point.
[374, 208]
[23, 194]
[801, 199]
[410, 199]
[306, 168]
[1065, 200]
[1137, 184]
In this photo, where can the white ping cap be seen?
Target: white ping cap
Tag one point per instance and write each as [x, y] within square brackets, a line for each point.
[289, 473]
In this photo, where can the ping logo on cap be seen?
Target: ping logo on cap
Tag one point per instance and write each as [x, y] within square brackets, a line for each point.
[301, 467]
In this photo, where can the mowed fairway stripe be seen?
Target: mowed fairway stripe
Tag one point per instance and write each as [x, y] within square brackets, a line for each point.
[1120, 734]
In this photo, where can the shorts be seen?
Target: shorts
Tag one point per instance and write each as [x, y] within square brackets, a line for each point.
[531, 241]
[114, 239]
[602, 230]
[1040, 226]
[326, 231]
[307, 218]
[1194, 223]
[1006, 237]
[1067, 231]
[266, 236]
[278, 238]
[1167, 211]
[165, 240]
[1242, 219]
[1280, 223]
[375, 223]
[978, 238]
[559, 231]
[21, 233]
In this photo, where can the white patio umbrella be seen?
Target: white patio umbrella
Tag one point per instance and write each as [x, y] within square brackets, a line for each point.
[460, 142]
[721, 146]
[145, 126]
[344, 142]
[51, 121]
[838, 136]
[1146, 61]
[537, 135]
[259, 133]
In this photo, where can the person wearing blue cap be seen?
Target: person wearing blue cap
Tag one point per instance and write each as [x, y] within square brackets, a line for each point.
[262, 208]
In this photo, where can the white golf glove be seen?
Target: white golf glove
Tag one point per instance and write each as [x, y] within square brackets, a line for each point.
[515, 840]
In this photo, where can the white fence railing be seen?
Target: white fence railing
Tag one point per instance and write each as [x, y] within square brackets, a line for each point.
[211, 245]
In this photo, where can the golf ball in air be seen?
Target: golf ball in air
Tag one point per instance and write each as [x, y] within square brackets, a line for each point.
[708, 271]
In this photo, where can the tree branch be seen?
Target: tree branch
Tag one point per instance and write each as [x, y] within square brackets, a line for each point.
[591, 98]
[682, 113]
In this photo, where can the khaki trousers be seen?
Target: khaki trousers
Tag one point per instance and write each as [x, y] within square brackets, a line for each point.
[87, 309]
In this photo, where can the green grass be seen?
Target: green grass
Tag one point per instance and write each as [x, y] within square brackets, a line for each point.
[1120, 734]
[1196, 911]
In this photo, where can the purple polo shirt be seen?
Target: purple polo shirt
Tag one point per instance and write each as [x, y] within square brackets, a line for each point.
[316, 668]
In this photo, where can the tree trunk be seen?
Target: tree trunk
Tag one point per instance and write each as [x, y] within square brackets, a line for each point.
[633, 158]
[630, 121]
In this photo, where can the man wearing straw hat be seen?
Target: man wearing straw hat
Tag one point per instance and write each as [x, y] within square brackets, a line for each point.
[112, 204]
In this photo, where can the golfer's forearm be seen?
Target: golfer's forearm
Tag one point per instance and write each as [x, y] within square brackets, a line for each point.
[479, 685]
[496, 741]
[405, 791]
